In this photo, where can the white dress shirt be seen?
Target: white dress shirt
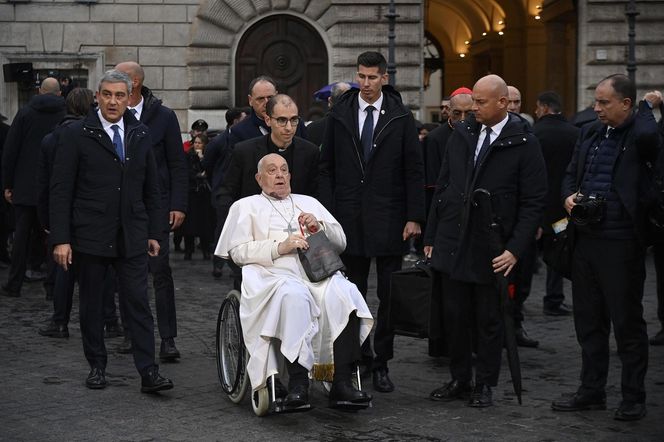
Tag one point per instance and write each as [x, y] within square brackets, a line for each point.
[138, 108]
[362, 115]
[107, 127]
[495, 132]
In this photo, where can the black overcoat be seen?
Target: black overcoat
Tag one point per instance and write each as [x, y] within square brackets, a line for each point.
[557, 137]
[513, 172]
[93, 194]
[240, 176]
[640, 144]
[168, 154]
[23, 143]
[372, 200]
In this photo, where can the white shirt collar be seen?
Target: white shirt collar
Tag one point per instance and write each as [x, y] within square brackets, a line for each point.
[497, 128]
[139, 108]
[107, 124]
[363, 104]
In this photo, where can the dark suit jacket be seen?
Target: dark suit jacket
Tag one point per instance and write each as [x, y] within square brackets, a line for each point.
[98, 204]
[239, 178]
[316, 130]
[557, 138]
[168, 154]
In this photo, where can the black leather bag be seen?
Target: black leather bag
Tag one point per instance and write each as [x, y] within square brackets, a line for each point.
[320, 260]
[557, 251]
[415, 307]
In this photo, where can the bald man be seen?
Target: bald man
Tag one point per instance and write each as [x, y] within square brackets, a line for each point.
[492, 150]
[173, 182]
[19, 173]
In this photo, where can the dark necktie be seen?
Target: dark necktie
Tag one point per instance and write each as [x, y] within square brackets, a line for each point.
[485, 146]
[367, 133]
[117, 142]
[134, 112]
[608, 131]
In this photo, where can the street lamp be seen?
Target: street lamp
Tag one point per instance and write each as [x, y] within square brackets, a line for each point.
[631, 13]
[391, 35]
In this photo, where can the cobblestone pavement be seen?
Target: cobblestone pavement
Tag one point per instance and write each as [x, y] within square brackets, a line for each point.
[43, 397]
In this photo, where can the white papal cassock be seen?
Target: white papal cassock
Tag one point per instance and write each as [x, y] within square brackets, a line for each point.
[254, 227]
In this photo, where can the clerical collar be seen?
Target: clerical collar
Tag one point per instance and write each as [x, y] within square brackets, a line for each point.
[274, 148]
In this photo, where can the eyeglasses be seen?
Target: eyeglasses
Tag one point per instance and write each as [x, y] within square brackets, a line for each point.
[281, 121]
[273, 171]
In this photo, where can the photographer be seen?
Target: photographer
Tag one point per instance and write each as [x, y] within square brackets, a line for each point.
[603, 189]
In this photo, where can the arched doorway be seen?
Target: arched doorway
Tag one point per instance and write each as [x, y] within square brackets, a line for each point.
[287, 49]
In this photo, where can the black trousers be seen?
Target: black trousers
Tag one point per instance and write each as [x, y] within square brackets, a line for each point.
[658, 255]
[132, 276]
[465, 304]
[63, 292]
[523, 279]
[27, 226]
[607, 287]
[164, 291]
[357, 271]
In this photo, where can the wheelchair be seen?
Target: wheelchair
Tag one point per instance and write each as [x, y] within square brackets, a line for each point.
[232, 357]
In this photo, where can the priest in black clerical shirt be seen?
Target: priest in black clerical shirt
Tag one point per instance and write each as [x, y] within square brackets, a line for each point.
[301, 155]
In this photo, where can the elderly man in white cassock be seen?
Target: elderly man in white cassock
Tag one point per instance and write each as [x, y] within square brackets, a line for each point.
[317, 326]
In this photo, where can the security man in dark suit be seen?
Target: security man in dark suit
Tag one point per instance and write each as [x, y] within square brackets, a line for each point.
[173, 182]
[104, 211]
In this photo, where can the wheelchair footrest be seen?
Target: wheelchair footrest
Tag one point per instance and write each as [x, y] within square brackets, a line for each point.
[279, 407]
[349, 406]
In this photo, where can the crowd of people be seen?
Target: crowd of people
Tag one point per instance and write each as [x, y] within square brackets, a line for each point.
[114, 181]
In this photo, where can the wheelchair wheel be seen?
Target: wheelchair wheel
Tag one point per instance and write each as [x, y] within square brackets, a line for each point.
[231, 353]
[260, 401]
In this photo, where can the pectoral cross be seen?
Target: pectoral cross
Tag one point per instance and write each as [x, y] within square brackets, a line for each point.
[289, 229]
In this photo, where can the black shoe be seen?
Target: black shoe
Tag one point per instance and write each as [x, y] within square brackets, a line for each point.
[113, 330]
[522, 339]
[297, 396]
[451, 391]
[96, 379]
[152, 381]
[125, 347]
[216, 271]
[34, 275]
[658, 339]
[53, 330]
[558, 310]
[579, 402]
[344, 391]
[381, 381]
[206, 256]
[481, 397]
[168, 352]
[630, 411]
[9, 292]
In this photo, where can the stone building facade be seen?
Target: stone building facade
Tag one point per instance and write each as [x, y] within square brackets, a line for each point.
[199, 55]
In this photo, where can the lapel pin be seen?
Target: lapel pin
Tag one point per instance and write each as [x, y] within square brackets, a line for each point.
[382, 111]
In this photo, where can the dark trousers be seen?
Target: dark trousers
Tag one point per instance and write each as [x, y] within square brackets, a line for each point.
[357, 271]
[658, 255]
[554, 296]
[63, 292]
[164, 293]
[607, 287]
[219, 225]
[27, 225]
[133, 283]
[465, 304]
[523, 279]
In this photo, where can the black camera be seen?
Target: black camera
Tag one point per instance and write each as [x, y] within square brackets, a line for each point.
[588, 210]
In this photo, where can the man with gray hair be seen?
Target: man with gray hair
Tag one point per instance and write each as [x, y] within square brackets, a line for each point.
[105, 211]
[316, 129]
[19, 173]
